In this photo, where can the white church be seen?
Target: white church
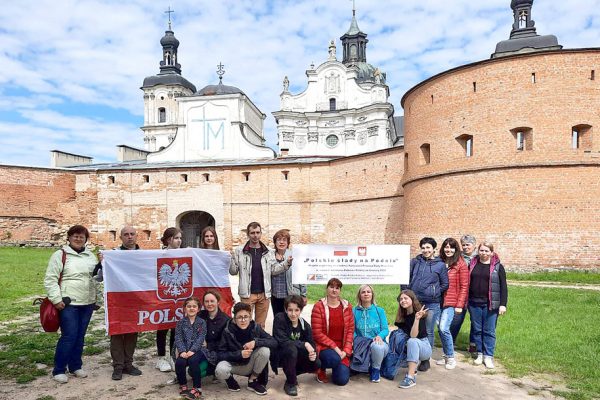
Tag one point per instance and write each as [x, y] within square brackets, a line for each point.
[343, 111]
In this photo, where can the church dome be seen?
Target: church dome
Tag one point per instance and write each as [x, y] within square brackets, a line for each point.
[366, 72]
[168, 79]
[211, 90]
[169, 39]
[518, 3]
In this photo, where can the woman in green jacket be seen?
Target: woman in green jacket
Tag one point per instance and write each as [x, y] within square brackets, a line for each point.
[72, 290]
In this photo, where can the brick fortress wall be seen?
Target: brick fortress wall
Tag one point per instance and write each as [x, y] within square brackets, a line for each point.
[539, 204]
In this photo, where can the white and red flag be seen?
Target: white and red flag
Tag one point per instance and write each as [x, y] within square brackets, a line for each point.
[144, 290]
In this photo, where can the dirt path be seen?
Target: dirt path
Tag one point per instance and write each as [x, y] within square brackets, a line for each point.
[557, 285]
[467, 381]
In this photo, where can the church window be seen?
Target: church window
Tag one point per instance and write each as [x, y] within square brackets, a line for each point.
[113, 235]
[147, 234]
[523, 138]
[285, 175]
[332, 104]
[184, 177]
[533, 77]
[332, 140]
[206, 177]
[581, 137]
[425, 154]
[162, 115]
[146, 178]
[246, 175]
[522, 19]
[466, 142]
[111, 179]
[353, 51]
[162, 97]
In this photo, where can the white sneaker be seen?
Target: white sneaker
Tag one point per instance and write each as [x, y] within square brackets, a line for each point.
[450, 363]
[80, 373]
[163, 365]
[441, 361]
[488, 361]
[61, 378]
[479, 359]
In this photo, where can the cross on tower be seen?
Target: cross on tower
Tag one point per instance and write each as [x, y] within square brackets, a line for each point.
[169, 11]
[220, 71]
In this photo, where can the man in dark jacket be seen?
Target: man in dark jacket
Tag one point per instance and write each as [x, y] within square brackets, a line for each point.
[296, 352]
[429, 281]
[244, 349]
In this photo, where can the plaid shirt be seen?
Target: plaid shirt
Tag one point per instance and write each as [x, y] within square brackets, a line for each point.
[279, 285]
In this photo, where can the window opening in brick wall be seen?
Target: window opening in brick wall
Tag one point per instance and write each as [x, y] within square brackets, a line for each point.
[285, 175]
[162, 115]
[523, 138]
[405, 162]
[474, 87]
[431, 99]
[184, 177]
[533, 77]
[593, 75]
[111, 179]
[425, 154]
[147, 234]
[581, 137]
[206, 177]
[113, 235]
[466, 142]
[246, 175]
[146, 178]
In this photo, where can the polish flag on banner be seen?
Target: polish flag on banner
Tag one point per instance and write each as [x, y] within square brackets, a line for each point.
[144, 290]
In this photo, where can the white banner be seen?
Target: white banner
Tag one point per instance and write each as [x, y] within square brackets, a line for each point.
[352, 264]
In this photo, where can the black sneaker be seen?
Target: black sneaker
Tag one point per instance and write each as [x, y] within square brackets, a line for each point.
[232, 384]
[256, 387]
[133, 371]
[290, 390]
[117, 375]
[424, 366]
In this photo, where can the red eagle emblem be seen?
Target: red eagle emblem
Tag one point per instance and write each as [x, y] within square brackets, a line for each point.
[174, 278]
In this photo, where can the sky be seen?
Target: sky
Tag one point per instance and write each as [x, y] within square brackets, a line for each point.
[71, 70]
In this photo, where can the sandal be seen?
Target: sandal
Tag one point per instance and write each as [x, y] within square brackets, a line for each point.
[183, 389]
[196, 393]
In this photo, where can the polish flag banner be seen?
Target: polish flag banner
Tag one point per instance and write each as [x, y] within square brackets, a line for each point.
[144, 290]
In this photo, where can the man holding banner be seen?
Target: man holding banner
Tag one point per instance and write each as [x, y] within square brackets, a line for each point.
[122, 346]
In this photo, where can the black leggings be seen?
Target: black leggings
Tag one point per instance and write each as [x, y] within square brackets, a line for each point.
[161, 341]
[194, 363]
[294, 361]
[277, 305]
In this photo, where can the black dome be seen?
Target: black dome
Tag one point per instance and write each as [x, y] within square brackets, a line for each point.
[169, 39]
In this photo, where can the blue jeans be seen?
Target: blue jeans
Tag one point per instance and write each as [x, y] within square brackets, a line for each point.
[378, 353]
[483, 328]
[74, 321]
[444, 330]
[340, 374]
[418, 350]
[456, 324]
[433, 314]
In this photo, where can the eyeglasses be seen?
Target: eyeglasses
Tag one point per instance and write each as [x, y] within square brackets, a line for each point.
[243, 318]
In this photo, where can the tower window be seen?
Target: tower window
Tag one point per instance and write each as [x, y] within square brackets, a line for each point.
[146, 178]
[331, 140]
[533, 77]
[285, 175]
[581, 137]
[111, 179]
[206, 177]
[184, 177]
[112, 235]
[332, 104]
[466, 142]
[246, 175]
[425, 153]
[523, 138]
[474, 87]
[592, 75]
[405, 161]
[162, 115]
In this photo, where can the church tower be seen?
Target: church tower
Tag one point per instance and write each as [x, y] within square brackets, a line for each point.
[354, 43]
[161, 116]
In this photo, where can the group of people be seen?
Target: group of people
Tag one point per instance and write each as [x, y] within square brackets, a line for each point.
[340, 338]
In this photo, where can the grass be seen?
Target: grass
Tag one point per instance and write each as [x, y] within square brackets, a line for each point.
[22, 273]
[545, 331]
[571, 277]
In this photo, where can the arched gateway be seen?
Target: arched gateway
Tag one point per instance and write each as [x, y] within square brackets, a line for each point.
[191, 224]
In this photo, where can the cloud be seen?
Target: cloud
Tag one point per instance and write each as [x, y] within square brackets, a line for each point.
[68, 55]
